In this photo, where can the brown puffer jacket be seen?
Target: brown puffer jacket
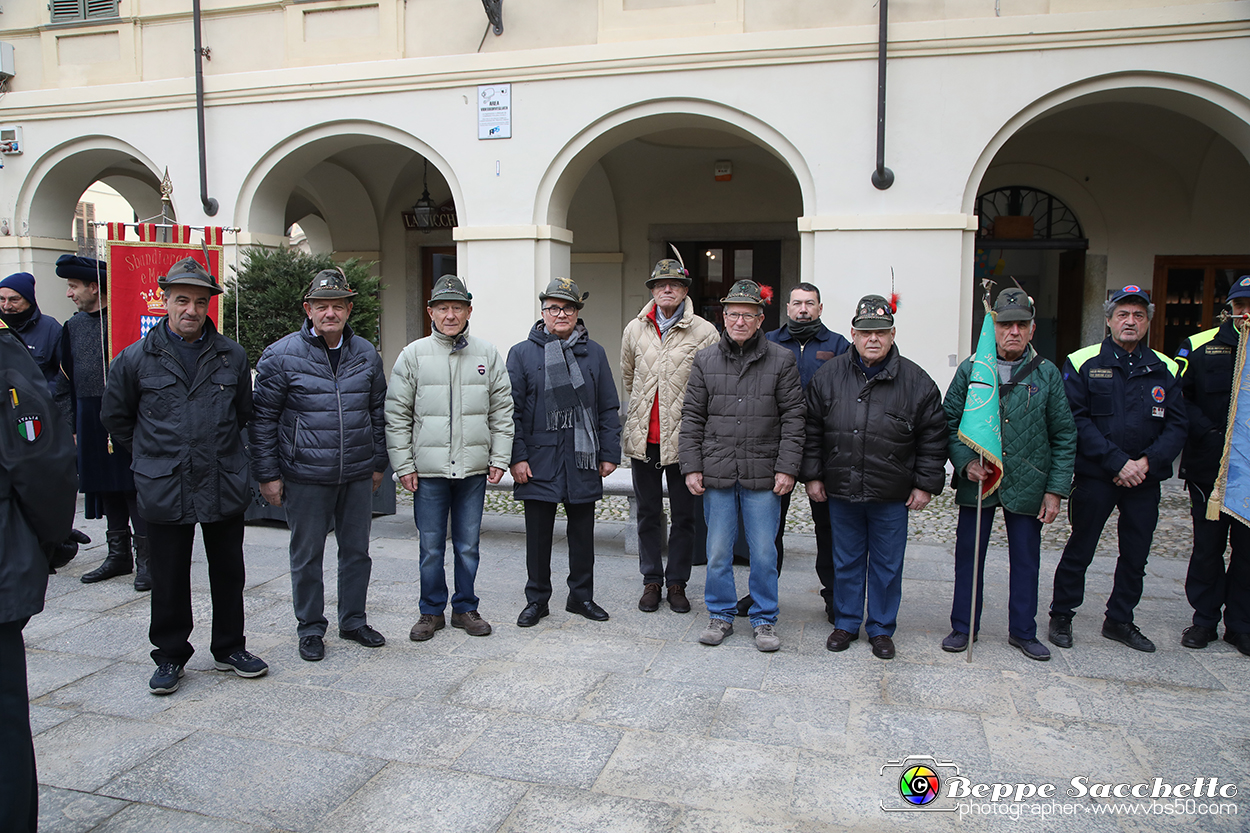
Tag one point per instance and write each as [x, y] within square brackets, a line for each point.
[742, 421]
[874, 439]
[649, 365]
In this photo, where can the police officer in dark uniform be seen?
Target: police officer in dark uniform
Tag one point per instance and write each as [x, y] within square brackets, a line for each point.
[1207, 361]
[37, 493]
[1130, 422]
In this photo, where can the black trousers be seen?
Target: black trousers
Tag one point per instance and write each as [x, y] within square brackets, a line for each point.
[1089, 507]
[170, 567]
[122, 511]
[649, 490]
[540, 522]
[19, 790]
[1209, 586]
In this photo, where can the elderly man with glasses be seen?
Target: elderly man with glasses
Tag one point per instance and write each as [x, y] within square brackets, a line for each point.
[567, 439]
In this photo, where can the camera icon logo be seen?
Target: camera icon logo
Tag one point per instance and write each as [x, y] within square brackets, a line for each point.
[917, 784]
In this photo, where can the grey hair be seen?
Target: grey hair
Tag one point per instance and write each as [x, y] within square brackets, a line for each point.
[1108, 307]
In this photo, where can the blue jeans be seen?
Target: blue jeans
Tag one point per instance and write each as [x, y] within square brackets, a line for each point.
[761, 512]
[1024, 552]
[869, 540]
[434, 500]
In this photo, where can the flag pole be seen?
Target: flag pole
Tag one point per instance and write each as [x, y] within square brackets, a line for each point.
[976, 563]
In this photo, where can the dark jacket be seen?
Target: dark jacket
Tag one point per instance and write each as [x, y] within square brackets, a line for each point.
[184, 430]
[1038, 433]
[1206, 360]
[79, 391]
[37, 480]
[313, 424]
[555, 476]
[742, 421]
[1122, 413]
[814, 352]
[42, 336]
[874, 440]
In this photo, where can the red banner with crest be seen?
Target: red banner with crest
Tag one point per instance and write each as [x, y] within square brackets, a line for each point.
[135, 302]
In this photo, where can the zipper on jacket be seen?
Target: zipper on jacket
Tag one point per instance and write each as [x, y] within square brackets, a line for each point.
[338, 395]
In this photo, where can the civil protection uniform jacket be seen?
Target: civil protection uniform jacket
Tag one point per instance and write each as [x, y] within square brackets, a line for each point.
[1206, 361]
[874, 440]
[184, 429]
[1038, 433]
[742, 421]
[38, 485]
[555, 476]
[811, 354]
[652, 367]
[449, 408]
[313, 424]
[1123, 413]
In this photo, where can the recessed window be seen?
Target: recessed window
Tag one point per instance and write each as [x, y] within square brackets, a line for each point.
[82, 9]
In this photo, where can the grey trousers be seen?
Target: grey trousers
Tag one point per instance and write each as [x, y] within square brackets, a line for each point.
[309, 511]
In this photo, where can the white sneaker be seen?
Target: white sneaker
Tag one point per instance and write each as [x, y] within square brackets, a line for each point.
[716, 631]
[766, 639]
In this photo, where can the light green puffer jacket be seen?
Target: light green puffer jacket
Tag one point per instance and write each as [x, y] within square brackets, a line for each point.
[449, 408]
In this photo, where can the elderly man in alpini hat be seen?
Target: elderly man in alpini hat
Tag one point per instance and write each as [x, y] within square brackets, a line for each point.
[449, 432]
[319, 450]
[741, 446]
[568, 438]
[178, 399]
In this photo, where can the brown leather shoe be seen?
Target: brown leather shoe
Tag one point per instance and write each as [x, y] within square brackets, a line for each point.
[425, 627]
[650, 601]
[882, 647]
[840, 640]
[677, 597]
[471, 623]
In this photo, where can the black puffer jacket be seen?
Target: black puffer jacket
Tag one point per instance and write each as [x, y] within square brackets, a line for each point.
[874, 440]
[184, 430]
[315, 425]
[742, 421]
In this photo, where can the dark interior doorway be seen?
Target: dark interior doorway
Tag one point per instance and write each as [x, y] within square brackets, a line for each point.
[715, 265]
[436, 261]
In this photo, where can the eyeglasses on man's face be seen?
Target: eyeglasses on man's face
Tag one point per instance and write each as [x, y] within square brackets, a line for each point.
[743, 316]
[560, 312]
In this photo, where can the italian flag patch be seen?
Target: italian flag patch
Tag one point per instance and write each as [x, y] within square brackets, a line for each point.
[29, 428]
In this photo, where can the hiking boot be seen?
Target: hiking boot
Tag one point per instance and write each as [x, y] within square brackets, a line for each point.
[1060, 630]
[677, 600]
[716, 631]
[426, 624]
[650, 601]
[1127, 633]
[118, 562]
[471, 623]
[766, 638]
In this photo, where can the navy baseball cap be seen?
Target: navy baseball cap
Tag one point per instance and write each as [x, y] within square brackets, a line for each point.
[1130, 291]
[1241, 289]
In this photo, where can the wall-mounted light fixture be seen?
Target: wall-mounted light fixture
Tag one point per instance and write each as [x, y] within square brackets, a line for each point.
[423, 210]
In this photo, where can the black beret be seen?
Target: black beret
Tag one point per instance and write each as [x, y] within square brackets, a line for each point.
[85, 269]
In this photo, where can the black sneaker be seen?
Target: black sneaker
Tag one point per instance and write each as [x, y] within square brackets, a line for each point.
[1031, 648]
[1198, 636]
[165, 680]
[243, 663]
[1061, 630]
[1127, 633]
[312, 648]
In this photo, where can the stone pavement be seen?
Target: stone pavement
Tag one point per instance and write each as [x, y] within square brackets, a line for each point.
[628, 725]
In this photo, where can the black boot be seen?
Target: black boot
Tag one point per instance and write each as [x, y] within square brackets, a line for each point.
[143, 581]
[118, 562]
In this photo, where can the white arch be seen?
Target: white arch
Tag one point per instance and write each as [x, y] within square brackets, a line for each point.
[565, 173]
[50, 192]
[1219, 108]
[261, 203]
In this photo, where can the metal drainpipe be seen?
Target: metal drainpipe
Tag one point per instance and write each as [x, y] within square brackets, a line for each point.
[210, 204]
[882, 177]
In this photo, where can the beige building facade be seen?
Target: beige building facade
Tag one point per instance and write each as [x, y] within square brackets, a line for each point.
[1074, 146]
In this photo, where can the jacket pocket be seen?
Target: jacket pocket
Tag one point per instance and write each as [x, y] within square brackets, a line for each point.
[158, 395]
[1101, 398]
[158, 483]
[233, 488]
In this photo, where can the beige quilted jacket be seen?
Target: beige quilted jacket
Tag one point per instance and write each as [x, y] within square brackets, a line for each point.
[649, 365]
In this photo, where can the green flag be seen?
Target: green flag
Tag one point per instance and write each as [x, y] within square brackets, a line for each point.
[980, 427]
